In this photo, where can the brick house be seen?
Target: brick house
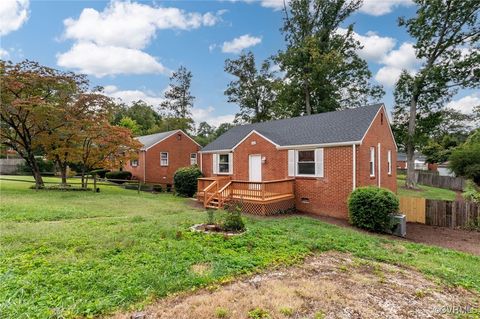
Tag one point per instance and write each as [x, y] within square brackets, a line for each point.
[311, 162]
[161, 155]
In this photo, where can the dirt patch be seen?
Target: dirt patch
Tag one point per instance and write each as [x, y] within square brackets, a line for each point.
[331, 285]
[463, 240]
[458, 239]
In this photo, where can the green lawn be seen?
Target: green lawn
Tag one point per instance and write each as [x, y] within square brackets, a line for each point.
[425, 191]
[77, 253]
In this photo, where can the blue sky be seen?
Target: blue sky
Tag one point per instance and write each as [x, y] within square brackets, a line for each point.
[130, 47]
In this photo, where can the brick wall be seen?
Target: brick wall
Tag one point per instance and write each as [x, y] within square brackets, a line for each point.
[274, 167]
[327, 195]
[179, 147]
[379, 132]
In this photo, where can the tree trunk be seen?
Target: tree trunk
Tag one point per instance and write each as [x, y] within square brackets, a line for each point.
[63, 170]
[35, 171]
[410, 180]
[83, 177]
[308, 107]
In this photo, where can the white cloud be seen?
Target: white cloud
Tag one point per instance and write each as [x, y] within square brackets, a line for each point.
[240, 43]
[207, 115]
[130, 96]
[375, 47]
[13, 13]
[4, 54]
[273, 4]
[117, 35]
[394, 62]
[465, 104]
[131, 24]
[90, 58]
[381, 7]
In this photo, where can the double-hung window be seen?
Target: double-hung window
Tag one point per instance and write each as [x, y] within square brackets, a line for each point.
[163, 158]
[372, 161]
[305, 162]
[223, 163]
[134, 163]
[193, 159]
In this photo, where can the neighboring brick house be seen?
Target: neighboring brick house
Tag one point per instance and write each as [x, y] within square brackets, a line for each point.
[322, 157]
[161, 155]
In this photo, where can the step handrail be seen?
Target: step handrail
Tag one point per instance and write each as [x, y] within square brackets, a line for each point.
[221, 199]
[205, 193]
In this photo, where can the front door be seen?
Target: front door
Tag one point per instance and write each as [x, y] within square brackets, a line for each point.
[255, 168]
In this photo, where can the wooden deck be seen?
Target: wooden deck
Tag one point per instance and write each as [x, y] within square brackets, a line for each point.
[258, 197]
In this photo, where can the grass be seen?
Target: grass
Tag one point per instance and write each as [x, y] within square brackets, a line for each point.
[425, 191]
[69, 254]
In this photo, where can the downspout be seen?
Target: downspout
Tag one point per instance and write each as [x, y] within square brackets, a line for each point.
[379, 168]
[144, 166]
[354, 173]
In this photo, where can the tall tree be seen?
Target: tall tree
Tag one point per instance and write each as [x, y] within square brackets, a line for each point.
[178, 98]
[31, 98]
[447, 34]
[139, 111]
[252, 89]
[323, 69]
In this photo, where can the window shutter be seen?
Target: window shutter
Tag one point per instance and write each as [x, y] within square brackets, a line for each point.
[291, 162]
[230, 163]
[215, 163]
[319, 162]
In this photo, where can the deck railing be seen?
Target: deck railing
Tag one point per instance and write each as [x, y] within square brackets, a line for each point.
[262, 191]
[223, 189]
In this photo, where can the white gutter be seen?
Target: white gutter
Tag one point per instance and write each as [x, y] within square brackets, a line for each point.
[299, 146]
[216, 151]
[290, 147]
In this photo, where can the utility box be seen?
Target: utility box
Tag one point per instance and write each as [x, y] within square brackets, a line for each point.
[400, 225]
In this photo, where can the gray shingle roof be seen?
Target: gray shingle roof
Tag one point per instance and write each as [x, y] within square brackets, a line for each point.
[332, 127]
[149, 140]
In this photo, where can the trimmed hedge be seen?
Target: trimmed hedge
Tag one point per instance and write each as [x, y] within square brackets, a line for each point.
[119, 175]
[185, 180]
[100, 172]
[370, 208]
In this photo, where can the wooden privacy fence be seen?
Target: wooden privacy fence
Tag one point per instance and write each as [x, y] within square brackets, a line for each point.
[435, 180]
[442, 213]
[414, 208]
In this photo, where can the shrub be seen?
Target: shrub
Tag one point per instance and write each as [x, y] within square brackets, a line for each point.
[471, 192]
[371, 208]
[100, 172]
[258, 313]
[233, 219]
[185, 180]
[157, 188]
[221, 312]
[118, 175]
[46, 167]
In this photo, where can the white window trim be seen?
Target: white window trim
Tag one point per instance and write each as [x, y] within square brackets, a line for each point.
[230, 164]
[317, 174]
[196, 159]
[389, 161]
[132, 161]
[372, 160]
[164, 165]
